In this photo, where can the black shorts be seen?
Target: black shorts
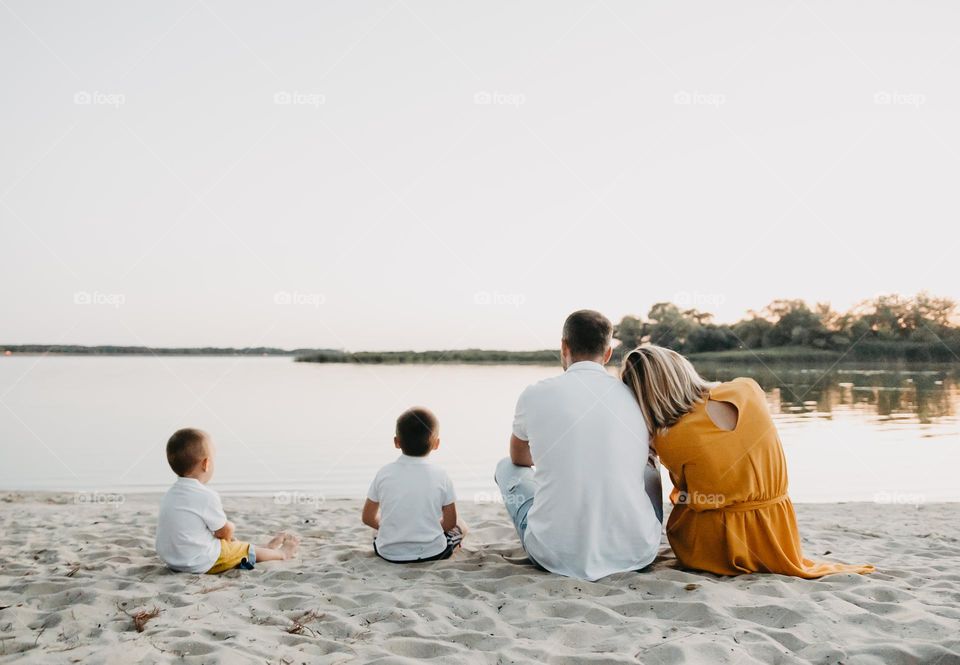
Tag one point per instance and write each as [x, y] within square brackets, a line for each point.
[454, 536]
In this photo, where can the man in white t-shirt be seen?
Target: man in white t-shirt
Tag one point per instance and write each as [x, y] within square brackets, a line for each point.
[593, 507]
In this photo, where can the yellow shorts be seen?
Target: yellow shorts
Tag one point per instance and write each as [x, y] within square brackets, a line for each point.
[234, 554]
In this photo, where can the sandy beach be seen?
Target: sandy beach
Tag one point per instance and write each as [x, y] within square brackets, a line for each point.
[74, 576]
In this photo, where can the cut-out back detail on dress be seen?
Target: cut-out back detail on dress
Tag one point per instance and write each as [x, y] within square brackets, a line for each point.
[722, 414]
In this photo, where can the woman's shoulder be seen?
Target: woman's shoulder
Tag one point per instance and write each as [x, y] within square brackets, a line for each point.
[687, 425]
[742, 391]
[739, 385]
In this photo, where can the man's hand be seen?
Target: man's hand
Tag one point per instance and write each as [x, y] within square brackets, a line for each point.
[225, 532]
[520, 451]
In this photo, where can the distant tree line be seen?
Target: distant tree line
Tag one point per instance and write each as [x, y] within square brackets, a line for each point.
[889, 327]
[77, 350]
[473, 356]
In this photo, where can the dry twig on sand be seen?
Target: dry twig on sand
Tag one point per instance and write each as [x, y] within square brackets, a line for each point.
[300, 623]
[141, 618]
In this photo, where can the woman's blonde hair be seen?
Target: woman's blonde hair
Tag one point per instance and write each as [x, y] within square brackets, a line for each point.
[666, 385]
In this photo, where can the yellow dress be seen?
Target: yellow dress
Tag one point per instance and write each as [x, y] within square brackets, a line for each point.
[731, 511]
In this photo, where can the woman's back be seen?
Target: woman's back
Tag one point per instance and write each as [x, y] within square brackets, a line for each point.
[731, 511]
[722, 467]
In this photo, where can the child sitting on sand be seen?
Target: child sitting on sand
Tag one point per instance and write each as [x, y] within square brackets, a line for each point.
[193, 533]
[411, 501]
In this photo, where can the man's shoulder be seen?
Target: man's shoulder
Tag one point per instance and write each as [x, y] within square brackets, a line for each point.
[571, 381]
[544, 386]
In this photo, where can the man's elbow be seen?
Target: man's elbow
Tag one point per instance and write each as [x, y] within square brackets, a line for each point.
[520, 451]
[521, 457]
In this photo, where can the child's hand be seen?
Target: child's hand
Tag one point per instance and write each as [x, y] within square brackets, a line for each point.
[226, 531]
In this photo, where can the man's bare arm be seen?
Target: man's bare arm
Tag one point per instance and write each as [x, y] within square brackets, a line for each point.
[520, 451]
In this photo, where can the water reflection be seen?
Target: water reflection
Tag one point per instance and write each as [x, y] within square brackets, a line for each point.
[99, 424]
[889, 396]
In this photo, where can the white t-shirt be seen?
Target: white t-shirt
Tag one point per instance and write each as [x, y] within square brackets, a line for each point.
[189, 514]
[412, 493]
[591, 515]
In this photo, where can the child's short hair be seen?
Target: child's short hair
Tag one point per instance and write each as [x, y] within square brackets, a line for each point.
[415, 429]
[185, 450]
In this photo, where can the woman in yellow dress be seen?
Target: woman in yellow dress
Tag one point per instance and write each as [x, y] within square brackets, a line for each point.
[731, 511]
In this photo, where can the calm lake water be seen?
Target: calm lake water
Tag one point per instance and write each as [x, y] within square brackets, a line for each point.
[99, 424]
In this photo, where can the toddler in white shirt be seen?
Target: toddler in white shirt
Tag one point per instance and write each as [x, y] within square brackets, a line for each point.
[411, 502]
[193, 533]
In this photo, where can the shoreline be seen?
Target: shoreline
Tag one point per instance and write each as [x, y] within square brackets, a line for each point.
[73, 576]
[307, 496]
[793, 355]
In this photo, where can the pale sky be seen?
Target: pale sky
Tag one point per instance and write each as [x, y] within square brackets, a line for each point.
[404, 174]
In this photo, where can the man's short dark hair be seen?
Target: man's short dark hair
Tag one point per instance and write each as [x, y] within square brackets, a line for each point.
[587, 333]
[415, 429]
[185, 450]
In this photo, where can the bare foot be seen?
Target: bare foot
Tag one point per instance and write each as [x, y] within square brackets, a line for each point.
[277, 541]
[290, 545]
